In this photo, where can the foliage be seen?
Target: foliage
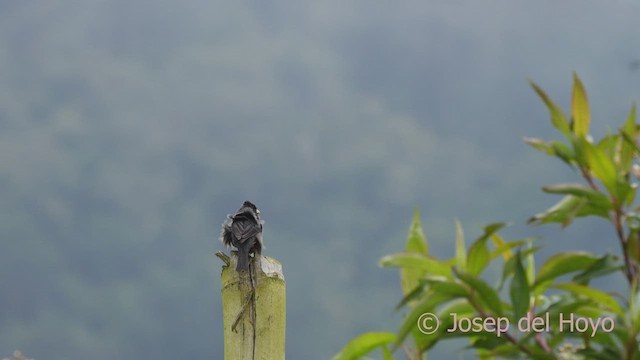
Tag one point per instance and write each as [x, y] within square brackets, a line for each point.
[559, 290]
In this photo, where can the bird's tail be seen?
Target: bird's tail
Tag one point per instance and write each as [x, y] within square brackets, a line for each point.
[243, 259]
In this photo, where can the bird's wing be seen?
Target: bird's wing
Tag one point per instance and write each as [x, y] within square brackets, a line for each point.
[244, 228]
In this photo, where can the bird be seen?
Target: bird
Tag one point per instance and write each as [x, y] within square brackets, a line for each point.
[243, 230]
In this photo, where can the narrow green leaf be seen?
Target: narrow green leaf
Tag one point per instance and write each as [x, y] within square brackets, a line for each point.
[461, 307]
[599, 297]
[563, 152]
[499, 242]
[568, 208]
[448, 287]
[580, 108]
[552, 148]
[625, 191]
[631, 194]
[558, 119]
[410, 321]
[601, 166]
[580, 190]
[606, 264]
[413, 295]
[488, 295]
[578, 144]
[564, 263]
[608, 144]
[435, 285]
[633, 245]
[531, 264]
[479, 256]
[519, 291]
[629, 134]
[631, 141]
[630, 127]
[364, 344]
[488, 343]
[539, 144]
[563, 212]
[386, 354]
[461, 250]
[505, 248]
[416, 243]
[509, 265]
[413, 261]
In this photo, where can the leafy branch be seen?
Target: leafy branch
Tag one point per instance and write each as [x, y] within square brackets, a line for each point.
[608, 172]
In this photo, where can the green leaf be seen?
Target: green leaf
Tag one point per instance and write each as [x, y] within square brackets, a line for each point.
[461, 307]
[629, 132]
[509, 265]
[558, 119]
[479, 256]
[519, 291]
[364, 344]
[599, 297]
[628, 146]
[631, 194]
[630, 140]
[504, 248]
[386, 354]
[633, 245]
[553, 148]
[461, 251]
[416, 243]
[562, 212]
[596, 198]
[448, 287]
[608, 144]
[531, 264]
[563, 152]
[606, 264]
[580, 108]
[414, 295]
[630, 127]
[539, 144]
[435, 284]
[564, 263]
[488, 295]
[568, 208]
[412, 261]
[601, 166]
[410, 321]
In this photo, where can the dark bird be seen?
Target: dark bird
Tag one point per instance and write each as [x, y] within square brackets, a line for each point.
[243, 230]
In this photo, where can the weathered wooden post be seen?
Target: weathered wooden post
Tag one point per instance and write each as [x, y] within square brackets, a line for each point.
[254, 309]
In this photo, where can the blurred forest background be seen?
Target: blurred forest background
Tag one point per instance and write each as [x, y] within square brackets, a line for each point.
[129, 129]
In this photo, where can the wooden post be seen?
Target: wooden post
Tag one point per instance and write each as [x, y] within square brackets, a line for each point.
[254, 321]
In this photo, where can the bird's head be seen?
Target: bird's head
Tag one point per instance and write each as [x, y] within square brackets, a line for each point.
[249, 207]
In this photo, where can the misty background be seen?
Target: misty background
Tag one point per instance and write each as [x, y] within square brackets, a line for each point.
[129, 129]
